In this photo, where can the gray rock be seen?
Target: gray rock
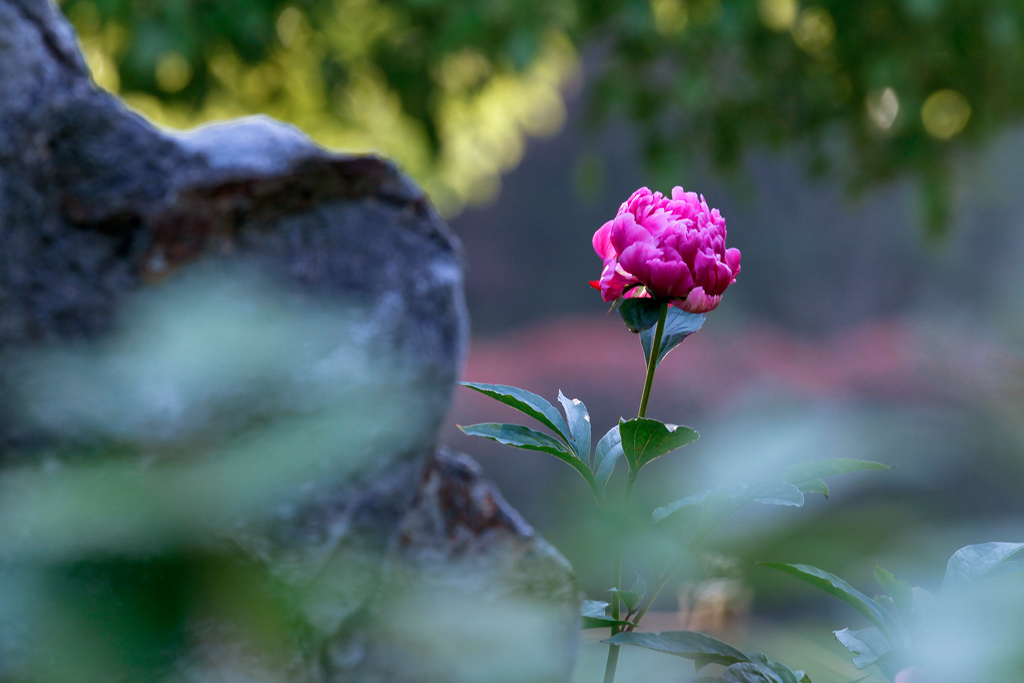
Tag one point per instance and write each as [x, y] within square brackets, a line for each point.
[226, 353]
[97, 203]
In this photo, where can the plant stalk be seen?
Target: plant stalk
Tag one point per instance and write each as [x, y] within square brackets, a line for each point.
[652, 365]
[613, 660]
[652, 362]
[613, 650]
[694, 544]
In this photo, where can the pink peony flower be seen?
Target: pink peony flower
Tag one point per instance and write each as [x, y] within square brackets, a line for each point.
[666, 249]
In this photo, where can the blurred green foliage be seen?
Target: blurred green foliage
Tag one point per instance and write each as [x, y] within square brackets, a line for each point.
[869, 90]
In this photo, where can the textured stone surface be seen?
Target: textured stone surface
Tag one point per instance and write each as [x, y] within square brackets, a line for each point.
[115, 329]
[95, 202]
[456, 561]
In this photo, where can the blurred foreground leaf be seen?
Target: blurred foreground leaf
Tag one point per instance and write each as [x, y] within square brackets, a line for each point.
[718, 504]
[809, 477]
[899, 591]
[703, 650]
[833, 585]
[593, 616]
[700, 648]
[867, 645]
[975, 562]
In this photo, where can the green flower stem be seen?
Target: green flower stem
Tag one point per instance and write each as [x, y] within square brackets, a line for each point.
[592, 483]
[652, 362]
[613, 650]
[652, 365]
[663, 579]
[610, 665]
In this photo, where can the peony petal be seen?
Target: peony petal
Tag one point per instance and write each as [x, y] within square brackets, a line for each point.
[613, 281]
[676, 233]
[687, 245]
[657, 223]
[732, 259]
[723, 278]
[635, 259]
[625, 232]
[669, 279]
[705, 273]
[636, 201]
[603, 242]
[681, 195]
[697, 301]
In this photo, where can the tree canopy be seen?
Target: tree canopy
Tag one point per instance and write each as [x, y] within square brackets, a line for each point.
[868, 91]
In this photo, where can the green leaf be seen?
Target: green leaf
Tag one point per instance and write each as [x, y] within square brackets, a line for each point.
[607, 454]
[519, 436]
[771, 492]
[717, 505]
[760, 669]
[804, 478]
[867, 645]
[690, 501]
[592, 615]
[974, 562]
[774, 492]
[809, 476]
[886, 602]
[833, 585]
[698, 647]
[639, 586]
[643, 440]
[640, 314]
[629, 599]
[814, 486]
[678, 326]
[579, 424]
[526, 402]
[749, 672]
[785, 674]
[900, 592]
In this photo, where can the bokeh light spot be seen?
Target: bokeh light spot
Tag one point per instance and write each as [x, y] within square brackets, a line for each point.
[173, 72]
[778, 15]
[287, 25]
[463, 71]
[814, 30]
[670, 16]
[945, 114]
[883, 106]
